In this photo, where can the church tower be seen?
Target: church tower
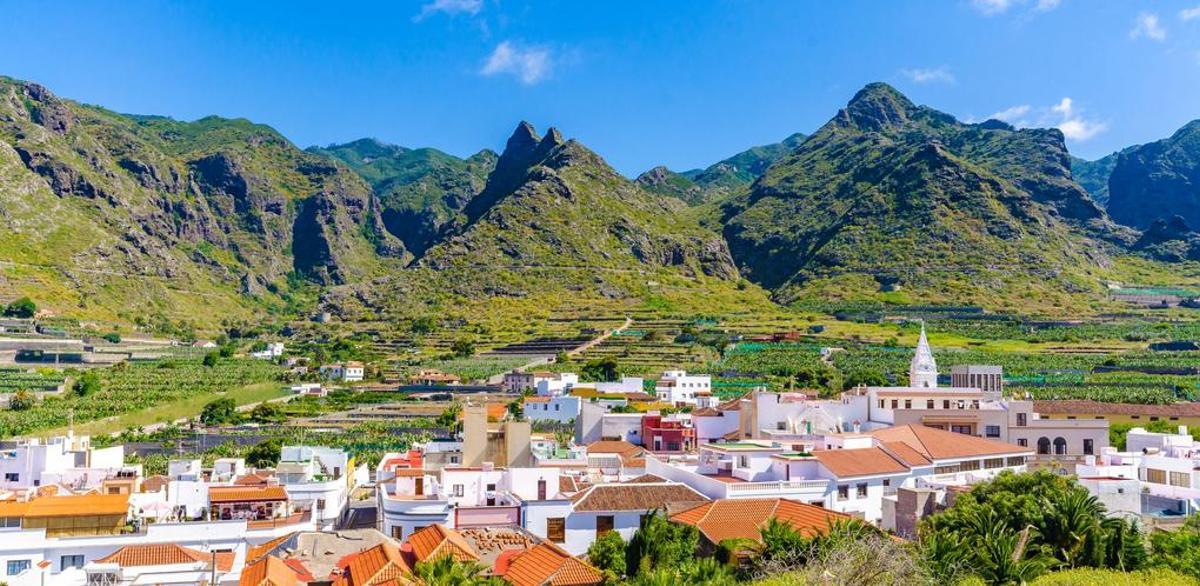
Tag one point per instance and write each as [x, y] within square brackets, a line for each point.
[922, 373]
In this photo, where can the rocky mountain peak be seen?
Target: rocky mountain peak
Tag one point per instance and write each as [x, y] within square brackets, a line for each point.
[877, 106]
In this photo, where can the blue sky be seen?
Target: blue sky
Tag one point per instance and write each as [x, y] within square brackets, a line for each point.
[643, 83]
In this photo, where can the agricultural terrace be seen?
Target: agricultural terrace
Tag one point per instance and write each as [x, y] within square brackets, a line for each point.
[164, 389]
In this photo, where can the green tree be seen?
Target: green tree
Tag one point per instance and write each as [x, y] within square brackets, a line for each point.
[219, 411]
[266, 413]
[444, 570]
[22, 400]
[1005, 557]
[21, 308]
[264, 454]
[87, 384]
[659, 543]
[211, 359]
[607, 553]
[600, 370]
[226, 350]
[1179, 549]
[463, 348]
[112, 337]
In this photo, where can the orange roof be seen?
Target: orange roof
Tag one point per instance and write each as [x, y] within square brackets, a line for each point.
[859, 462]
[937, 444]
[241, 494]
[68, 506]
[742, 518]
[436, 540]
[257, 551]
[613, 447]
[270, 571]
[547, 564]
[374, 566]
[906, 453]
[155, 554]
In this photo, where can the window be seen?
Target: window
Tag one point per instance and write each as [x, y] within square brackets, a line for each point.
[860, 490]
[963, 429]
[604, 524]
[1156, 476]
[968, 465]
[70, 561]
[946, 469]
[881, 403]
[929, 404]
[10, 522]
[541, 489]
[1021, 419]
[1060, 446]
[781, 425]
[1153, 418]
[887, 482]
[843, 492]
[12, 477]
[992, 431]
[743, 461]
[491, 488]
[993, 463]
[556, 529]
[1070, 417]
[895, 403]
[1016, 461]
[1180, 479]
[1043, 445]
[908, 403]
[1023, 442]
[1135, 417]
[458, 490]
[1173, 418]
[17, 566]
[946, 404]
[397, 532]
[1087, 447]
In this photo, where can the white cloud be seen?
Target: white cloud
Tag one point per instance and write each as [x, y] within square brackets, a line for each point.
[471, 7]
[992, 7]
[1190, 13]
[1147, 25]
[1064, 116]
[938, 75]
[1014, 115]
[528, 64]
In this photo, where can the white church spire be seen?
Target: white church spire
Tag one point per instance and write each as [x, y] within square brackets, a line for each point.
[922, 372]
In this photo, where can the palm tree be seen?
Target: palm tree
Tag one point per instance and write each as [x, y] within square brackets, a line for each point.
[706, 571]
[1072, 527]
[447, 571]
[946, 555]
[1003, 558]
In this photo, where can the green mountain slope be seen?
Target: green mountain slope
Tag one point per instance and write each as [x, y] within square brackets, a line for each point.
[421, 191]
[115, 217]
[917, 200]
[720, 179]
[553, 202]
[1093, 175]
[1159, 180]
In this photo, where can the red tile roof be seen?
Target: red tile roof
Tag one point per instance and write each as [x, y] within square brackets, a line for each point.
[373, 566]
[937, 444]
[742, 518]
[859, 462]
[437, 540]
[257, 551]
[272, 571]
[241, 494]
[155, 554]
[634, 497]
[547, 564]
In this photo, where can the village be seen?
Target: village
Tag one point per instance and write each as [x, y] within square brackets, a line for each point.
[540, 468]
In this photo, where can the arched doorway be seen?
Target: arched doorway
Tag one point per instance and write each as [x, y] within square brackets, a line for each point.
[1060, 446]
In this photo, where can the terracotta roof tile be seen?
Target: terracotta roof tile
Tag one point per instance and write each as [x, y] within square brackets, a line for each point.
[634, 497]
[271, 571]
[859, 462]
[906, 453]
[238, 494]
[1080, 407]
[257, 551]
[155, 554]
[937, 444]
[373, 566]
[742, 518]
[547, 564]
[68, 506]
[437, 540]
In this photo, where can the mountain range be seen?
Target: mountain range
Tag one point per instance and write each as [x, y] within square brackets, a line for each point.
[119, 217]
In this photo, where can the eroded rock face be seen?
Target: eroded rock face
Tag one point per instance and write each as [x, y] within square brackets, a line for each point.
[1158, 180]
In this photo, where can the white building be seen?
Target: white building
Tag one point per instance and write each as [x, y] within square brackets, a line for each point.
[557, 408]
[273, 350]
[677, 388]
[849, 473]
[322, 476]
[69, 461]
[1166, 467]
[349, 372]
